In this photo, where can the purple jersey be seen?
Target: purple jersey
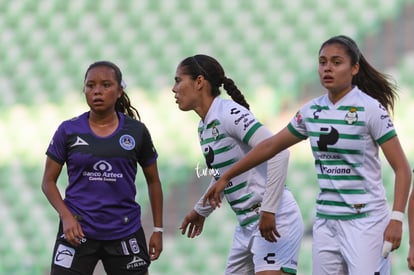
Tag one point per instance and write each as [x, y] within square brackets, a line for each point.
[101, 172]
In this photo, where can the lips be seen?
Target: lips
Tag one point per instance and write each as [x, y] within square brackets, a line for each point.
[328, 78]
[97, 101]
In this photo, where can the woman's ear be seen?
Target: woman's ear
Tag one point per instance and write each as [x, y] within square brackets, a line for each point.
[355, 69]
[200, 81]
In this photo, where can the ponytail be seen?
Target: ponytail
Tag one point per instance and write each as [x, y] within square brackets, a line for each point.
[213, 72]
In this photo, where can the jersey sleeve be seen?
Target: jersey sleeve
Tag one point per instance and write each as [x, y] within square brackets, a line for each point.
[147, 153]
[57, 147]
[241, 124]
[297, 125]
[277, 168]
[380, 124]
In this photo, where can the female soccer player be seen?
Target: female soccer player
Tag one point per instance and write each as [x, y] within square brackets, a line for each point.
[353, 231]
[227, 131]
[99, 217]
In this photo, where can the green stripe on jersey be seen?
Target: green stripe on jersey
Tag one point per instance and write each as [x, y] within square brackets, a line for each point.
[340, 177]
[223, 149]
[342, 217]
[343, 136]
[333, 121]
[242, 199]
[223, 164]
[319, 107]
[288, 270]
[295, 133]
[333, 203]
[213, 124]
[338, 150]
[235, 188]
[212, 139]
[251, 132]
[250, 220]
[347, 108]
[386, 137]
[344, 191]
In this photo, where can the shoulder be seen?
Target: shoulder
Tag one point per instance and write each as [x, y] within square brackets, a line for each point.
[74, 121]
[369, 103]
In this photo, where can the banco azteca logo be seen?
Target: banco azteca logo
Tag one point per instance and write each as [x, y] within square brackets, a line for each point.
[102, 165]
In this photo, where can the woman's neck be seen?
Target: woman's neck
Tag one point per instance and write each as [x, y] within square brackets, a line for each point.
[103, 125]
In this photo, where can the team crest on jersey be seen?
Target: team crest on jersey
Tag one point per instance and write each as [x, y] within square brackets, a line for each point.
[127, 142]
[352, 116]
[214, 132]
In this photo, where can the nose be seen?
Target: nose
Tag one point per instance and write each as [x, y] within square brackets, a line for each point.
[327, 67]
[97, 90]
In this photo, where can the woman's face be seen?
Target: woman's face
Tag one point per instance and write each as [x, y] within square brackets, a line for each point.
[101, 89]
[335, 69]
[187, 96]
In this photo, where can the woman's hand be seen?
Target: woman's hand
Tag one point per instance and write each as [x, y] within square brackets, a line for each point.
[213, 194]
[194, 222]
[72, 230]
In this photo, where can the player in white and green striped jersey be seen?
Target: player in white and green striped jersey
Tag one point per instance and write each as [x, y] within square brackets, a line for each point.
[353, 231]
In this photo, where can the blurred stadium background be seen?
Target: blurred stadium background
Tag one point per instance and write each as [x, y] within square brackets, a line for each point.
[269, 47]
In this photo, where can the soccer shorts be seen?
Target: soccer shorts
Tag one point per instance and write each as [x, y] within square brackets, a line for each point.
[127, 256]
[251, 253]
[351, 247]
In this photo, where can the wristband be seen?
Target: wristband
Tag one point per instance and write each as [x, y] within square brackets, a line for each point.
[158, 229]
[397, 215]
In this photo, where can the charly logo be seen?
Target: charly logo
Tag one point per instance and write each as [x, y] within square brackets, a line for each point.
[127, 142]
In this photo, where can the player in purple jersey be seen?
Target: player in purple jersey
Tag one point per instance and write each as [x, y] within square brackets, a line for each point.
[99, 216]
[353, 231]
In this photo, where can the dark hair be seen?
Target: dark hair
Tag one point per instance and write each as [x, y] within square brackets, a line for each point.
[368, 79]
[123, 104]
[213, 72]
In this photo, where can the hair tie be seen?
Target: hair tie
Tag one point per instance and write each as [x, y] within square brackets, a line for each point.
[123, 84]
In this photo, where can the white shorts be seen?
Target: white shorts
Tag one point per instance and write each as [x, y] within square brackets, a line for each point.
[251, 253]
[350, 247]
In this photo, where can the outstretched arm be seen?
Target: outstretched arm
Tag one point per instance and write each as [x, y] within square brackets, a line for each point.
[156, 200]
[262, 152]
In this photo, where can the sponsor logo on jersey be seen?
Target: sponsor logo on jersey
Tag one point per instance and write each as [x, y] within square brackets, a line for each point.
[79, 141]
[102, 172]
[127, 142]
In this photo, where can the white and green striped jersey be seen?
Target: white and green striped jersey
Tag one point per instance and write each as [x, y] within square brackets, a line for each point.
[345, 139]
[224, 139]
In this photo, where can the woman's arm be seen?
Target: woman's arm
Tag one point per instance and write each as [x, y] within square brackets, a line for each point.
[156, 201]
[262, 152]
[71, 228]
[396, 158]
